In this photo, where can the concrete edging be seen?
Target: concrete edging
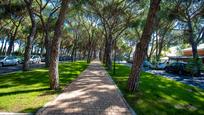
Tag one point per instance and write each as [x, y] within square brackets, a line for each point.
[40, 110]
[120, 93]
[11, 113]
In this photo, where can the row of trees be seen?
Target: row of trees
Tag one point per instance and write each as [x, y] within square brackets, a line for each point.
[86, 29]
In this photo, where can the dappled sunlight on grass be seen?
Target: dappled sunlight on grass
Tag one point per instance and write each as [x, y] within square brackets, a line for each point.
[28, 91]
[159, 95]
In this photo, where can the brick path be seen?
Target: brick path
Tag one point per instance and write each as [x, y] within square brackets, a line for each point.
[93, 93]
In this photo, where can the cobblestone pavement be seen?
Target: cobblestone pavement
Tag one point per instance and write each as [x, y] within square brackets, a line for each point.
[93, 93]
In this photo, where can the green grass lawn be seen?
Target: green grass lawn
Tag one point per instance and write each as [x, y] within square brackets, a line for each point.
[28, 91]
[160, 96]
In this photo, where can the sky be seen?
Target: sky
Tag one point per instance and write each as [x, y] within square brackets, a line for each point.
[16, 46]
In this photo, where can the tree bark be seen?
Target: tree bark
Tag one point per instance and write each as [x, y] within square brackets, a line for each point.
[46, 25]
[89, 55]
[28, 48]
[108, 51]
[73, 50]
[47, 47]
[141, 47]
[105, 51]
[84, 55]
[2, 45]
[4, 49]
[149, 55]
[101, 54]
[108, 55]
[160, 47]
[53, 69]
[90, 50]
[194, 48]
[46, 40]
[13, 36]
[20, 45]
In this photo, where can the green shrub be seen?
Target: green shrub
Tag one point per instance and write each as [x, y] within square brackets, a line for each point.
[192, 66]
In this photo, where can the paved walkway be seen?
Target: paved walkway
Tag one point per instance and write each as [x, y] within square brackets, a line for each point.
[93, 93]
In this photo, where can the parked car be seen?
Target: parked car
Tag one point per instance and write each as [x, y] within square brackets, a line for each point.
[20, 59]
[42, 59]
[65, 58]
[180, 68]
[176, 67]
[147, 64]
[35, 59]
[161, 65]
[8, 60]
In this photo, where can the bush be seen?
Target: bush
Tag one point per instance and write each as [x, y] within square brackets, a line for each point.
[193, 65]
[202, 68]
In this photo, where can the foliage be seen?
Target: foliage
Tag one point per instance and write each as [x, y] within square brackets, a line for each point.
[192, 63]
[14, 9]
[202, 68]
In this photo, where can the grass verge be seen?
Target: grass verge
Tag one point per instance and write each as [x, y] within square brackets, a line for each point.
[28, 91]
[160, 96]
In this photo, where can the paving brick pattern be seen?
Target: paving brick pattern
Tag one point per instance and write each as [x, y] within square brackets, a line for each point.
[93, 93]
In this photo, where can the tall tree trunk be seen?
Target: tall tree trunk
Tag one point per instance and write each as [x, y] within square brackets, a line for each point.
[11, 43]
[46, 40]
[101, 54]
[149, 55]
[89, 56]
[94, 54]
[13, 36]
[2, 45]
[108, 52]
[48, 50]
[141, 47]
[4, 49]
[67, 51]
[20, 45]
[42, 46]
[28, 48]
[84, 54]
[129, 53]
[53, 69]
[75, 54]
[196, 68]
[89, 51]
[73, 50]
[157, 46]
[105, 51]
[161, 46]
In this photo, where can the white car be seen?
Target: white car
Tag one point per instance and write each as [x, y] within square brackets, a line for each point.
[35, 59]
[147, 64]
[161, 66]
[8, 60]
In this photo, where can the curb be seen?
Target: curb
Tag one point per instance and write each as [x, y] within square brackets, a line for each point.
[16, 71]
[9, 113]
[120, 93]
[40, 111]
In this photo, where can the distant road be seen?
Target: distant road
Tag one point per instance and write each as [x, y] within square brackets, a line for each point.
[189, 80]
[9, 69]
